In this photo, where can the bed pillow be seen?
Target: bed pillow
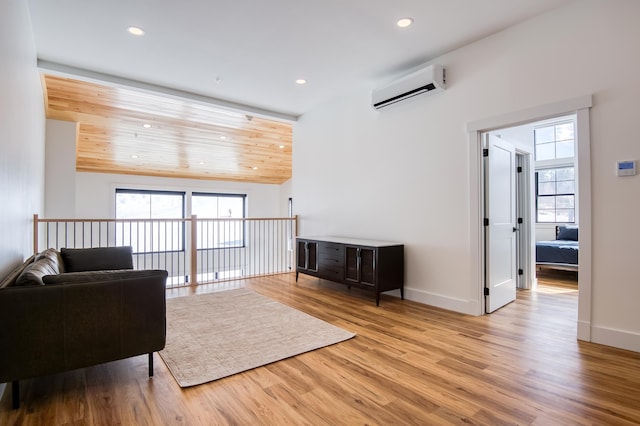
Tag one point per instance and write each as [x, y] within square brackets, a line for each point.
[567, 233]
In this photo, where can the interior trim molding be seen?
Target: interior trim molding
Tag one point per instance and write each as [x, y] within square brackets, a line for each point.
[580, 106]
[525, 116]
[617, 338]
[468, 307]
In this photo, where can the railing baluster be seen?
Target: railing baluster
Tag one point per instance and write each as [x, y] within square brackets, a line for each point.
[218, 249]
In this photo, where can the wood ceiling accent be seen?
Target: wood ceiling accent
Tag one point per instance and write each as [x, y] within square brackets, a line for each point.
[187, 139]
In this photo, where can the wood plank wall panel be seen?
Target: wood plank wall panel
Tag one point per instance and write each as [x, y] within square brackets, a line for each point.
[187, 139]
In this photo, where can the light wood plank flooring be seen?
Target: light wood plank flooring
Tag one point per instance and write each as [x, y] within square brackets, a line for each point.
[408, 364]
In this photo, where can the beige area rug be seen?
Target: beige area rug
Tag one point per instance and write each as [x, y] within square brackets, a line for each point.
[215, 335]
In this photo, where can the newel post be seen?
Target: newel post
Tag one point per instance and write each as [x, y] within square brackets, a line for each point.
[194, 250]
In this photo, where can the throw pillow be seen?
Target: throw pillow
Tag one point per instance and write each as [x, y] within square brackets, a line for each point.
[97, 259]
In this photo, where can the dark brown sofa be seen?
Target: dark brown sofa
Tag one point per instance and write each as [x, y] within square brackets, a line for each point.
[69, 309]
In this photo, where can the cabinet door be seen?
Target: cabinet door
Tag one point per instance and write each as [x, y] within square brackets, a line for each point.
[352, 264]
[307, 257]
[302, 255]
[368, 266]
[312, 256]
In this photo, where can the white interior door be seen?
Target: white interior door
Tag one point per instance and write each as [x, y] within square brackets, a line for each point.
[500, 233]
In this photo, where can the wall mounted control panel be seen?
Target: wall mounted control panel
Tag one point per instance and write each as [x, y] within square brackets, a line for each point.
[626, 168]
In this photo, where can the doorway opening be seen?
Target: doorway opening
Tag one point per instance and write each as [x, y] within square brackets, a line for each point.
[479, 256]
[529, 192]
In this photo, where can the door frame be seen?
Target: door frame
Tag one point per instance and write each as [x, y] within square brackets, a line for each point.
[580, 107]
[526, 230]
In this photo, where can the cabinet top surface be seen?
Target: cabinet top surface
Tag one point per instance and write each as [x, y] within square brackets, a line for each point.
[352, 241]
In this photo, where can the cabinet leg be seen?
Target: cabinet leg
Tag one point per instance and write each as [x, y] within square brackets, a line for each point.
[377, 298]
[15, 394]
[402, 293]
[296, 276]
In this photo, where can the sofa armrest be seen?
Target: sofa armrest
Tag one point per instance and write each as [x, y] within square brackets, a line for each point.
[53, 328]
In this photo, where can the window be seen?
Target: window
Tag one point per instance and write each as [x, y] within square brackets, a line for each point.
[555, 142]
[555, 172]
[150, 236]
[555, 195]
[219, 234]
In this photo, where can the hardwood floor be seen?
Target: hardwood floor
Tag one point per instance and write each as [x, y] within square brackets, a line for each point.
[408, 364]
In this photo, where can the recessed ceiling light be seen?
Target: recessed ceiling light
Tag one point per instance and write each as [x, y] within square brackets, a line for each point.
[223, 138]
[404, 22]
[281, 146]
[146, 125]
[301, 81]
[134, 156]
[201, 163]
[137, 31]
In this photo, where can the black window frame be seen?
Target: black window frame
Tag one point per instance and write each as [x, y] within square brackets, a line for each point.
[244, 216]
[151, 192]
[556, 194]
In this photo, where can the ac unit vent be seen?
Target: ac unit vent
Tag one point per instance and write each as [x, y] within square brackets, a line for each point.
[426, 80]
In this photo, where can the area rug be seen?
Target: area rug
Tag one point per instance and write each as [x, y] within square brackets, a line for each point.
[215, 335]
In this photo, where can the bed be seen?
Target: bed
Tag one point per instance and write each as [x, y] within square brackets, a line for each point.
[561, 253]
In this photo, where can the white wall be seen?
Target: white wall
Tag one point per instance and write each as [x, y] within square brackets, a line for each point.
[21, 135]
[402, 174]
[60, 169]
[95, 192]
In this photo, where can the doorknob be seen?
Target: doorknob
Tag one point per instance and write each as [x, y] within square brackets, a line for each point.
[515, 229]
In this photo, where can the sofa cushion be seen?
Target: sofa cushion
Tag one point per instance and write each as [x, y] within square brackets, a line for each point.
[46, 263]
[97, 276]
[97, 259]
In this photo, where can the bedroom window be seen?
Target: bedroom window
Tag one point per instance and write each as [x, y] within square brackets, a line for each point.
[145, 204]
[555, 172]
[555, 142]
[219, 234]
[555, 195]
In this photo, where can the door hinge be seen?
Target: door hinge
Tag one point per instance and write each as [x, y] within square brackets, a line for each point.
[486, 221]
[520, 272]
[519, 169]
[520, 221]
[485, 152]
[486, 291]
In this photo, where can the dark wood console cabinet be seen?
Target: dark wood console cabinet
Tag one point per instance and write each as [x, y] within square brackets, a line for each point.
[373, 265]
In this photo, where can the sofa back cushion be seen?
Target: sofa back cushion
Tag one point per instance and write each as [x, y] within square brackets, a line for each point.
[97, 259]
[98, 276]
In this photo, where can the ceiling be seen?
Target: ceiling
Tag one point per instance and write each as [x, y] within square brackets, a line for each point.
[241, 57]
[128, 131]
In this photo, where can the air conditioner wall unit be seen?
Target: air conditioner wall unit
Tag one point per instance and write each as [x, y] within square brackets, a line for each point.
[430, 79]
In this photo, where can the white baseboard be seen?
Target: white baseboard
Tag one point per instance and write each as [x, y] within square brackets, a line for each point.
[617, 338]
[469, 307]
